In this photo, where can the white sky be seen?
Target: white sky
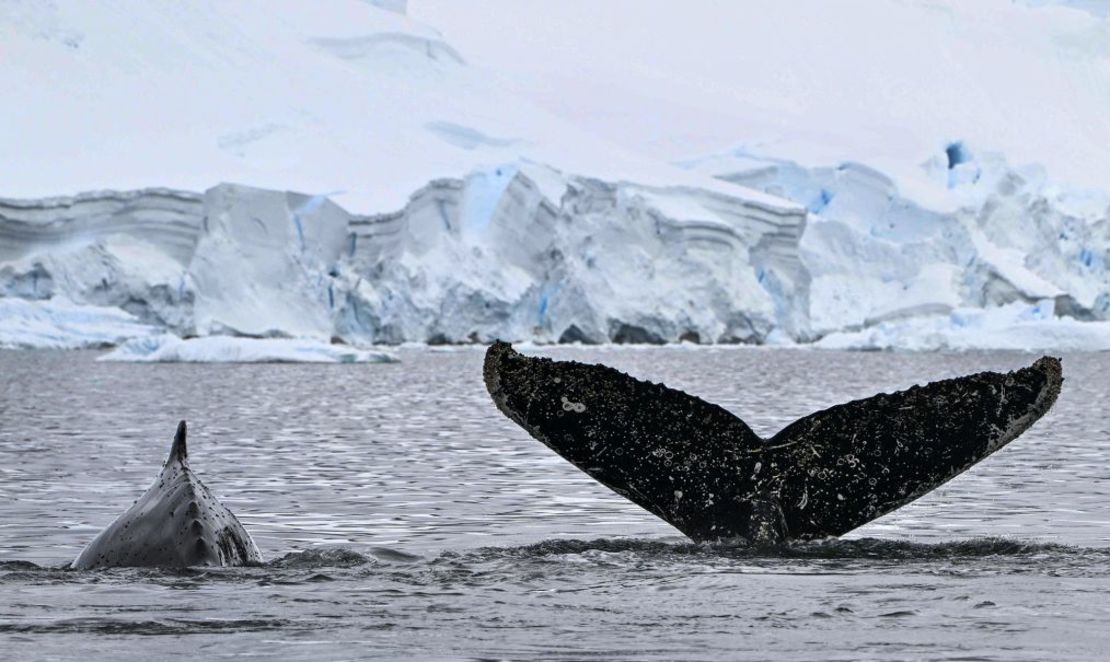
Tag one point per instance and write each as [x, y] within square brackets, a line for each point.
[866, 79]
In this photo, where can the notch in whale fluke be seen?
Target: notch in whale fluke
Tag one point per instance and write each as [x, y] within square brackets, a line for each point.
[178, 451]
[704, 471]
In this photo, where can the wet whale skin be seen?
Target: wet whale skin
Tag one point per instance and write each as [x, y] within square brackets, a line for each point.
[178, 522]
[704, 471]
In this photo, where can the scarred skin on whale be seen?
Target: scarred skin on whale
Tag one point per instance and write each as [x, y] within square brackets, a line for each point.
[177, 523]
[704, 471]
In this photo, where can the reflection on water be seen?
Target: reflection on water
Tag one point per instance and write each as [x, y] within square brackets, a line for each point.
[401, 513]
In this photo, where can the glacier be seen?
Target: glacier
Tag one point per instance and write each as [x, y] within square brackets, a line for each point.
[524, 252]
[980, 234]
[387, 183]
[464, 261]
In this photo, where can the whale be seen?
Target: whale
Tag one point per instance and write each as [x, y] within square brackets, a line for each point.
[177, 523]
[701, 469]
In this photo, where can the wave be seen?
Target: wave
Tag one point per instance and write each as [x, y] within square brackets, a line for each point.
[171, 626]
[299, 566]
[861, 548]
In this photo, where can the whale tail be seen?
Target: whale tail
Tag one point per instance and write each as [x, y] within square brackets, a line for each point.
[704, 471]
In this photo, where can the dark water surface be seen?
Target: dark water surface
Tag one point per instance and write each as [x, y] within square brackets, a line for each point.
[403, 516]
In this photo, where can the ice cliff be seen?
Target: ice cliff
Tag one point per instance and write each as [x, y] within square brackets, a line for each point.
[520, 252]
[524, 252]
[124, 250]
[980, 234]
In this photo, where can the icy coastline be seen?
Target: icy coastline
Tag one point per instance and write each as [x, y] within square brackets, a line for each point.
[481, 206]
[514, 253]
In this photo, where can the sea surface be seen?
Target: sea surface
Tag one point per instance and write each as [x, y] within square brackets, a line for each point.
[403, 517]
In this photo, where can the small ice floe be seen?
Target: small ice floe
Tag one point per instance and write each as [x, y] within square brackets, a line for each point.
[168, 348]
[1014, 326]
[60, 324]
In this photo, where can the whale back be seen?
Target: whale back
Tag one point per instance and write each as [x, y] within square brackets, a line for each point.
[178, 522]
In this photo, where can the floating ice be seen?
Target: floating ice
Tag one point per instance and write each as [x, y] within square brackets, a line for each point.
[168, 348]
[1014, 326]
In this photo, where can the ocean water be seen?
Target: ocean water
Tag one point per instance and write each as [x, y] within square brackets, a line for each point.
[402, 516]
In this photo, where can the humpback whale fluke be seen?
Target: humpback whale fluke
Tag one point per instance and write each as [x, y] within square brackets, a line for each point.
[177, 523]
[704, 471]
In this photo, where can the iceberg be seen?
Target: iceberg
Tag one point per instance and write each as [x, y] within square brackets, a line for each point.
[166, 348]
[263, 263]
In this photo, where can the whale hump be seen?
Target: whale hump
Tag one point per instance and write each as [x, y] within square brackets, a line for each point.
[704, 471]
[178, 522]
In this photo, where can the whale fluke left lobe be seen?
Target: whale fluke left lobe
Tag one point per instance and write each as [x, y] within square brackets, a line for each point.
[688, 461]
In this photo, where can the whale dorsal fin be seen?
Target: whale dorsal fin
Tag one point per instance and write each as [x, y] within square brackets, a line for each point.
[178, 452]
[177, 522]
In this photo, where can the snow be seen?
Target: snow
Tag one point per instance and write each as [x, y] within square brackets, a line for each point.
[60, 324]
[628, 171]
[168, 348]
[358, 101]
[887, 84]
